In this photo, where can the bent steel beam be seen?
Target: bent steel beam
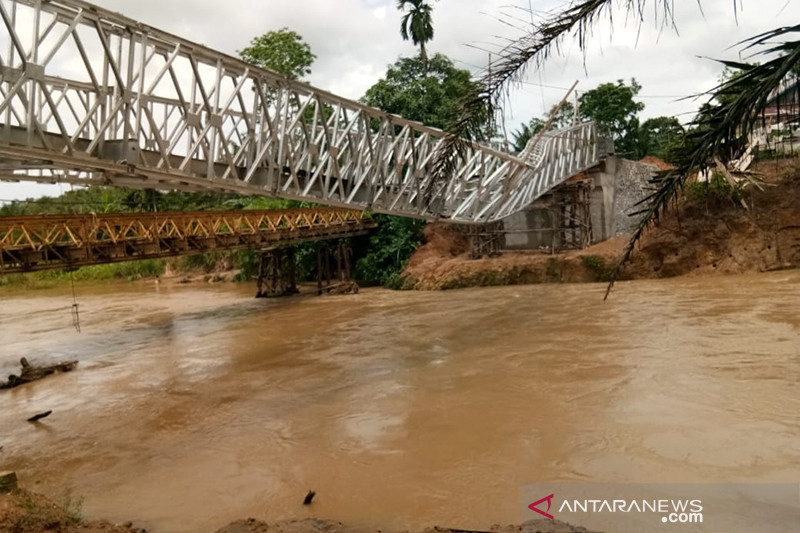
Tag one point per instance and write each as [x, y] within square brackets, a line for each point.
[43, 242]
[88, 96]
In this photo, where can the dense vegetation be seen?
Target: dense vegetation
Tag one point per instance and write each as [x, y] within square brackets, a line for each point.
[613, 107]
[116, 200]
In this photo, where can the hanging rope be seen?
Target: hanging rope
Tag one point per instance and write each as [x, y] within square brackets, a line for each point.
[76, 317]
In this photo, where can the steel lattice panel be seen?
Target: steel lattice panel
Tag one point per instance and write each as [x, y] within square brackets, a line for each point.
[90, 96]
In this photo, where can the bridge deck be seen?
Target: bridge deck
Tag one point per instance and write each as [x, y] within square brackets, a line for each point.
[43, 242]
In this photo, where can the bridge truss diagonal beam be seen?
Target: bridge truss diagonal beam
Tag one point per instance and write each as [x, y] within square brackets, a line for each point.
[44, 242]
[88, 96]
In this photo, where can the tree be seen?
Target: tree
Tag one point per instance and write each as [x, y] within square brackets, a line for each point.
[526, 133]
[282, 51]
[390, 246]
[417, 24]
[564, 118]
[613, 108]
[426, 93]
[658, 136]
[725, 128]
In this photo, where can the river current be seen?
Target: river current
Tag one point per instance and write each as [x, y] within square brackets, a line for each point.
[194, 405]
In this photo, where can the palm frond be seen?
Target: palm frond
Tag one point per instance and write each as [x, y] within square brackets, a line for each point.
[533, 48]
[721, 133]
[404, 23]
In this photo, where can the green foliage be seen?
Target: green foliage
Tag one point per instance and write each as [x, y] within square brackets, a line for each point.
[128, 271]
[417, 24]
[96, 199]
[72, 505]
[246, 262]
[613, 108]
[282, 51]
[526, 132]
[119, 200]
[729, 95]
[553, 271]
[205, 262]
[717, 191]
[602, 271]
[658, 136]
[396, 282]
[562, 119]
[389, 249]
[425, 93]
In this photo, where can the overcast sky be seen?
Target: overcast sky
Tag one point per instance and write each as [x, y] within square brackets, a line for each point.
[355, 40]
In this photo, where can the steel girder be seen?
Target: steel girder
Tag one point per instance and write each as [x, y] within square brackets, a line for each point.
[88, 96]
[43, 242]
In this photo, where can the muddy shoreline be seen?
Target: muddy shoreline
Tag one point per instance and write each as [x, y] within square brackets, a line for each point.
[24, 511]
[698, 237]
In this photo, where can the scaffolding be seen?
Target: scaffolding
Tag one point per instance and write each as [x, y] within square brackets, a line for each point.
[566, 213]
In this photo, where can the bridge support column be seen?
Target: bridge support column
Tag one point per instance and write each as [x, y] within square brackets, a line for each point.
[602, 211]
[343, 257]
[276, 273]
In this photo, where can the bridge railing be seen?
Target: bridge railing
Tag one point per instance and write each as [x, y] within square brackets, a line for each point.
[91, 96]
[39, 242]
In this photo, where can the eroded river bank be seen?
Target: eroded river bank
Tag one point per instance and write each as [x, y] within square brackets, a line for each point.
[196, 406]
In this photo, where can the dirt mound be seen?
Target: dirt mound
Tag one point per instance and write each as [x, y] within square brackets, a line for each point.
[656, 162]
[706, 236]
[441, 241]
[308, 525]
[313, 525]
[702, 235]
[28, 512]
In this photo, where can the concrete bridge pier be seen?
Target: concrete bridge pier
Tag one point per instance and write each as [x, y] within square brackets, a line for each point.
[603, 196]
[588, 208]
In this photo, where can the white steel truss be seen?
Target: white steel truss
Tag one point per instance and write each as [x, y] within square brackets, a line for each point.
[88, 96]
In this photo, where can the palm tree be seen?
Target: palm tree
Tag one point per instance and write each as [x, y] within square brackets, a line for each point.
[417, 24]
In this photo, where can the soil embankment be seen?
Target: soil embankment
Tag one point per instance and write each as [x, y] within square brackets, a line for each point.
[702, 235]
[313, 525]
[28, 512]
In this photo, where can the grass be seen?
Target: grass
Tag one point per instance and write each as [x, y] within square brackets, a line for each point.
[553, 272]
[72, 505]
[717, 191]
[129, 271]
[43, 514]
[601, 270]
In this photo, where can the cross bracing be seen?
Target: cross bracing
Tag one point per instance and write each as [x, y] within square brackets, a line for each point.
[88, 96]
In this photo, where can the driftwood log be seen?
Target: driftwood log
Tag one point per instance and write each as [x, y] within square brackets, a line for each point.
[32, 373]
[36, 418]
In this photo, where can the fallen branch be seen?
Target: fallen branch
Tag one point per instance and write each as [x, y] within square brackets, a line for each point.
[33, 373]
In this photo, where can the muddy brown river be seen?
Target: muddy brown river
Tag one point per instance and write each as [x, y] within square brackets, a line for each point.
[196, 405]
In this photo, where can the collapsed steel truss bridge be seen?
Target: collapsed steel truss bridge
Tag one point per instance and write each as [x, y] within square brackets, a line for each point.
[88, 96]
[42, 242]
